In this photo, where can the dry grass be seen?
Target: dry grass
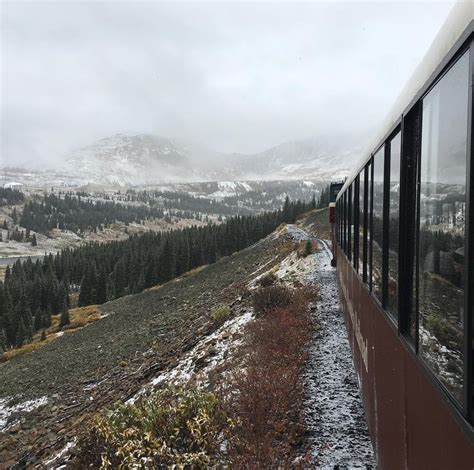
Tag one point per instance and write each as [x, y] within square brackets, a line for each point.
[79, 318]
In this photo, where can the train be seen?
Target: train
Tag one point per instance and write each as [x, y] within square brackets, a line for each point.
[403, 247]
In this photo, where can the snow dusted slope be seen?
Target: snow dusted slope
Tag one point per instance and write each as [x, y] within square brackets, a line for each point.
[132, 160]
[125, 160]
[322, 158]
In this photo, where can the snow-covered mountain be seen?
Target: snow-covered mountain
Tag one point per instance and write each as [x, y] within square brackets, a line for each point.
[128, 160]
[321, 159]
[148, 159]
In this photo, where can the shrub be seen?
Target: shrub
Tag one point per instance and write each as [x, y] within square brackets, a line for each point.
[220, 313]
[269, 298]
[267, 280]
[171, 428]
[265, 395]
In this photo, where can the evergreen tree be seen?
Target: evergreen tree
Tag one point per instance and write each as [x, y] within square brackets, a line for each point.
[101, 294]
[64, 319]
[39, 320]
[287, 212]
[3, 340]
[34, 241]
[21, 334]
[47, 317]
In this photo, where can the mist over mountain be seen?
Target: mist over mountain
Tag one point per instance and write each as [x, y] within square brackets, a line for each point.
[140, 159]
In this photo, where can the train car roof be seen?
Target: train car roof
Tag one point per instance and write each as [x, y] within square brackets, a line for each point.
[457, 27]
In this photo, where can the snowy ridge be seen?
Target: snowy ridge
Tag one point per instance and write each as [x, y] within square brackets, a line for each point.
[131, 160]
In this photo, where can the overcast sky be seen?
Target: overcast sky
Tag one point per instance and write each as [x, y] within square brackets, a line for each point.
[237, 77]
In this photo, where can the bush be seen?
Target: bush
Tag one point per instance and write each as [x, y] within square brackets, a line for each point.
[172, 427]
[220, 313]
[265, 395]
[267, 280]
[269, 298]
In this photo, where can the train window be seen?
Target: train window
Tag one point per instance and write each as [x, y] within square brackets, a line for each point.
[442, 226]
[377, 223]
[350, 223]
[355, 219]
[344, 222]
[362, 244]
[393, 224]
[370, 177]
[339, 238]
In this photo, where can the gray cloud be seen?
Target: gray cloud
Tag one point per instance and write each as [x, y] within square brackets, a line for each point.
[236, 77]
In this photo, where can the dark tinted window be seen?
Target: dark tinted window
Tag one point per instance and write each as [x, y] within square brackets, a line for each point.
[350, 221]
[442, 226]
[355, 220]
[393, 224]
[344, 228]
[369, 223]
[362, 245]
[377, 224]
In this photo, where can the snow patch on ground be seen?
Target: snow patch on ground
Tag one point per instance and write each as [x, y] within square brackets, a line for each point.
[51, 462]
[10, 414]
[197, 364]
[334, 415]
[297, 233]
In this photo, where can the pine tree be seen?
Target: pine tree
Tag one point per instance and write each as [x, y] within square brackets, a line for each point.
[21, 334]
[43, 335]
[101, 291]
[167, 262]
[39, 320]
[3, 340]
[64, 319]
[287, 210]
[34, 241]
[47, 317]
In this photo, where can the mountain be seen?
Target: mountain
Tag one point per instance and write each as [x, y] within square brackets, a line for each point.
[321, 159]
[129, 160]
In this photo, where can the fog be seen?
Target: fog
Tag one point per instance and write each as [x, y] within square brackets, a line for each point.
[234, 77]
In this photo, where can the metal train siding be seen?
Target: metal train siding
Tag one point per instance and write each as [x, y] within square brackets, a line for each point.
[411, 423]
[404, 247]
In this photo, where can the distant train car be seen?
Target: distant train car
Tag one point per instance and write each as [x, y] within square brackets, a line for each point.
[405, 263]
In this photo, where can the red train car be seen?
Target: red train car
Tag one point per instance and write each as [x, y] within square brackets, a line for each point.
[404, 242]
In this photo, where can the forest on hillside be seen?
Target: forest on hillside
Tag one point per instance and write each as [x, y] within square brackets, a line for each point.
[34, 291]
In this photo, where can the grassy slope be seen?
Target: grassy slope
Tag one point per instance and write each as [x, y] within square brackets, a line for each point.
[316, 222]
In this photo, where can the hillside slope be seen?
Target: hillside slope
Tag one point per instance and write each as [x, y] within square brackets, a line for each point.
[66, 381]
